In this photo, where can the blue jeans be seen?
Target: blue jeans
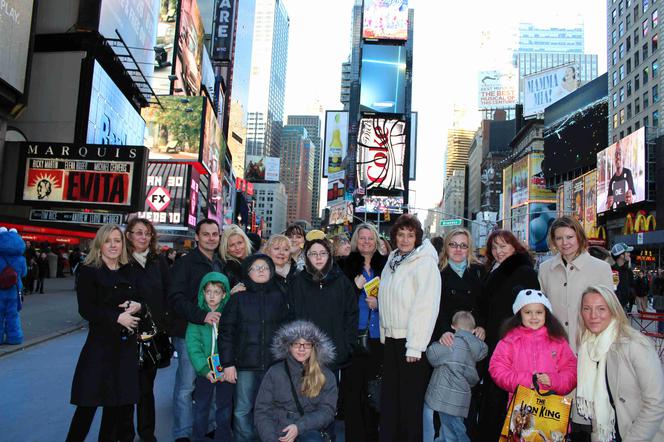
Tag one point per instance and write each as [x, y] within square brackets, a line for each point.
[452, 428]
[310, 436]
[203, 394]
[246, 390]
[428, 430]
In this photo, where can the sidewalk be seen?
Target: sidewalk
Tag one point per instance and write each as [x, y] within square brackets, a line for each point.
[48, 315]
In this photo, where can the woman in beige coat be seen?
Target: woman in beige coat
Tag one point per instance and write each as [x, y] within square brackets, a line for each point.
[571, 270]
[620, 381]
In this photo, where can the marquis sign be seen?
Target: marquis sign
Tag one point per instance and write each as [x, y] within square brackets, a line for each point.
[91, 176]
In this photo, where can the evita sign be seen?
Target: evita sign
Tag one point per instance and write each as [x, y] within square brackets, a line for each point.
[94, 176]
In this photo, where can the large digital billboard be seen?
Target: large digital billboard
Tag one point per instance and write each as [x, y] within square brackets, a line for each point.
[174, 130]
[166, 194]
[544, 88]
[538, 189]
[383, 77]
[190, 44]
[90, 176]
[621, 174]
[222, 30]
[520, 181]
[164, 49]
[112, 119]
[261, 168]
[15, 25]
[381, 145]
[507, 197]
[498, 89]
[136, 22]
[378, 204]
[336, 141]
[385, 19]
[540, 218]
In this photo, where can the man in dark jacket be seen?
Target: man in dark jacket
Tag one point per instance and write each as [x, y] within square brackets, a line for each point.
[625, 290]
[186, 276]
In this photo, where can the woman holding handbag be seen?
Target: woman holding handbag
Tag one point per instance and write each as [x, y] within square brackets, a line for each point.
[362, 265]
[150, 271]
[298, 396]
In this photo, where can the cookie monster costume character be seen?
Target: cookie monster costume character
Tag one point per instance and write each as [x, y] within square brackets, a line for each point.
[11, 254]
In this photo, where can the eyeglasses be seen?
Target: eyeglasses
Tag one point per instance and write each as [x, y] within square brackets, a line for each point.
[302, 345]
[259, 268]
[318, 254]
[141, 233]
[456, 245]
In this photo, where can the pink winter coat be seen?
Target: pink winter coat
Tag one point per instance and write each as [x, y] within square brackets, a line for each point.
[525, 351]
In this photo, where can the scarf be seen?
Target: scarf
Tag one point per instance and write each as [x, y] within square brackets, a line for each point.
[283, 271]
[459, 268]
[398, 258]
[592, 396]
[141, 258]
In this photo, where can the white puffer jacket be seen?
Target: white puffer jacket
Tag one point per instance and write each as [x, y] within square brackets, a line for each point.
[409, 299]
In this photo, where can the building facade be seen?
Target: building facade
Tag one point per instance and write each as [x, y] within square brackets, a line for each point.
[297, 170]
[458, 146]
[561, 39]
[271, 202]
[454, 196]
[268, 78]
[312, 124]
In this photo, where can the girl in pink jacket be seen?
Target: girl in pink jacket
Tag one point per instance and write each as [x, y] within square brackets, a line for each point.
[534, 342]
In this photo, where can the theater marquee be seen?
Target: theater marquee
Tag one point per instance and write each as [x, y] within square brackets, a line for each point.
[90, 176]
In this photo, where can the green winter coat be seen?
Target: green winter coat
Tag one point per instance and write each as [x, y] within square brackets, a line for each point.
[199, 337]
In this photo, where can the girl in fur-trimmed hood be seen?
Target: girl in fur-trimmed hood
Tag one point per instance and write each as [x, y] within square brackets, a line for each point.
[298, 396]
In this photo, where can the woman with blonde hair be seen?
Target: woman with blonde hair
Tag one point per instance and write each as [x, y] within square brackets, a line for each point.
[620, 385]
[234, 247]
[461, 276]
[107, 370]
[298, 396]
[278, 247]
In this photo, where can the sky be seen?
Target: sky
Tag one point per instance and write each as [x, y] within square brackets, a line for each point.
[446, 59]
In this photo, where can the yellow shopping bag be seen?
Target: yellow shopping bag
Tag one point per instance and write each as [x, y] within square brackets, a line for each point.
[536, 415]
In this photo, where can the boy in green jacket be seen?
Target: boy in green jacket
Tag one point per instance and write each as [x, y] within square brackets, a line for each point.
[201, 340]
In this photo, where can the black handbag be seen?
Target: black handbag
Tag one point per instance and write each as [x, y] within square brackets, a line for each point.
[324, 435]
[362, 342]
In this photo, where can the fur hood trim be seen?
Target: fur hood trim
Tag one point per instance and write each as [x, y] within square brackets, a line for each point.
[306, 330]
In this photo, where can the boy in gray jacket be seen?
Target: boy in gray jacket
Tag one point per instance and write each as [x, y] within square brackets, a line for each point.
[453, 376]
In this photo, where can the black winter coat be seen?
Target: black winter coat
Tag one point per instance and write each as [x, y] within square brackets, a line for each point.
[233, 271]
[499, 293]
[331, 304]
[459, 294]
[152, 283]
[187, 273]
[250, 320]
[353, 264]
[282, 282]
[107, 369]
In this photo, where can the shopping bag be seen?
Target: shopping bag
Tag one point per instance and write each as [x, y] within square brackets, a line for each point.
[536, 415]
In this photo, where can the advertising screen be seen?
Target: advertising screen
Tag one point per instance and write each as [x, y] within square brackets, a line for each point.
[112, 119]
[174, 132]
[498, 89]
[590, 203]
[541, 216]
[381, 145]
[376, 204]
[336, 141]
[520, 180]
[578, 199]
[336, 186]
[520, 223]
[560, 201]
[383, 75]
[222, 30]
[166, 194]
[136, 22]
[189, 59]
[412, 164]
[621, 175]
[546, 87]
[341, 213]
[212, 153]
[90, 176]
[164, 49]
[507, 197]
[538, 189]
[261, 168]
[385, 19]
[15, 21]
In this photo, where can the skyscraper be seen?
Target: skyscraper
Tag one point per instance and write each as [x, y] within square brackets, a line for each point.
[268, 78]
[312, 124]
[458, 146]
[297, 172]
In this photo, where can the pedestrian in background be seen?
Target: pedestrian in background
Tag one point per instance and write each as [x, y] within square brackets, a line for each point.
[152, 277]
[342, 247]
[620, 253]
[42, 262]
[107, 370]
[409, 304]
[296, 234]
[186, 276]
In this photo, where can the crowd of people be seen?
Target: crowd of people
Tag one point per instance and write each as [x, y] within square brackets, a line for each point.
[276, 341]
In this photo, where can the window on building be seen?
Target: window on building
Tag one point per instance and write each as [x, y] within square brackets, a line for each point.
[615, 57]
[637, 105]
[655, 19]
[637, 82]
[615, 100]
[629, 88]
[644, 51]
[615, 78]
[646, 5]
[621, 51]
[646, 102]
[654, 43]
[655, 93]
[629, 129]
[645, 27]
[646, 121]
[636, 11]
[628, 20]
[628, 43]
[637, 125]
[655, 118]
[636, 36]
[621, 71]
[622, 118]
[629, 111]
[622, 94]
[655, 69]
[620, 8]
[621, 29]
[614, 15]
[637, 58]
[629, 66]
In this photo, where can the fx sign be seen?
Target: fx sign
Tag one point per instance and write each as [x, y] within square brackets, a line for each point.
[158, 199]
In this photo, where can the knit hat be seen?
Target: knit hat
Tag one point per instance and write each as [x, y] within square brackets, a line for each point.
[619, 249]
[530, 296]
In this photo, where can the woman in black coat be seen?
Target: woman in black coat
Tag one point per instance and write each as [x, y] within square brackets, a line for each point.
[278, 247]
[107, 371]
[510, 270]
[150, 272]
[461, 276]
[234, 247]
[363, 264]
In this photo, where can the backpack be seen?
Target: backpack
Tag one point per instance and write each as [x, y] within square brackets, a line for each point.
[8, 276]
